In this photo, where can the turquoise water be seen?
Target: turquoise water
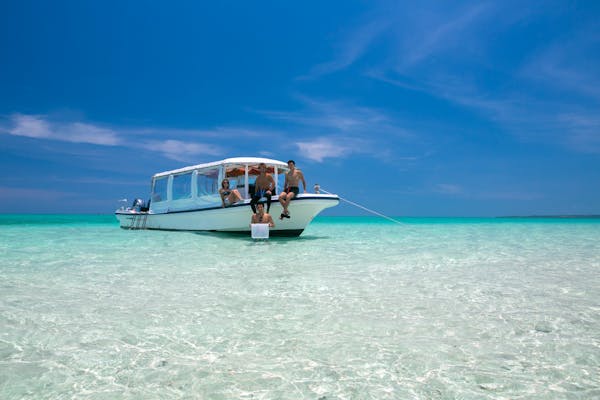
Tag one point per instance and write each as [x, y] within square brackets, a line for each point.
[356, 308]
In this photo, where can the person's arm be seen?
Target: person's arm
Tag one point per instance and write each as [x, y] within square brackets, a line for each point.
[271, 223]
[303, 181]
[272, 183]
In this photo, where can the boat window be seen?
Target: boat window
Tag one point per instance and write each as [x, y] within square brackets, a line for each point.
[159, 189]
[236, 183]
[251, 184]
[208, 181]
[182, 186]
[280, 181]
[236, 176]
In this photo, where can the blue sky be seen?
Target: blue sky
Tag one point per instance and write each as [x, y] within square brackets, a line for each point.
[422, 108]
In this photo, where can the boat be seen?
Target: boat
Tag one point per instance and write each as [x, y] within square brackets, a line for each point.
[188, 199]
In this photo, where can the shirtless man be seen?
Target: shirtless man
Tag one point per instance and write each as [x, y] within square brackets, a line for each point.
[261, 217]
[263, 187]
[291, 185]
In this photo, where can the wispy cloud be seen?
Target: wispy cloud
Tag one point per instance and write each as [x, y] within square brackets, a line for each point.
[12, 193]
[549, 93]
[43, 127]
[335, 129]
[182, 151]
[334, 115]
[565, 65]
[584, 131]
[510, 195]
[410, 37]
[451, 189]
[33, 126]
[330, 147]
[350, 49]
[447, 188]
[442, 35]
[39, 127]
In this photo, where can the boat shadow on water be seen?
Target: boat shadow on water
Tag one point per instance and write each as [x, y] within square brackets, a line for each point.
[273, 239]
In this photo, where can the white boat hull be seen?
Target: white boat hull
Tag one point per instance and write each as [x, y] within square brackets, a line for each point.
[232, 219]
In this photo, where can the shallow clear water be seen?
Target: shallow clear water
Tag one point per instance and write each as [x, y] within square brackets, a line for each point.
[356, 308]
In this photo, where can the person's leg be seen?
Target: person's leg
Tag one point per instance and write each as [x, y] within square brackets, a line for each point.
[234, 197]
[286, 203]
[282, 197]
[254, 201]
[288, 199]
[268, 196]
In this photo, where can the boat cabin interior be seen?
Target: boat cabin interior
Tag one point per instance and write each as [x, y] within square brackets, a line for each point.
[237, 177]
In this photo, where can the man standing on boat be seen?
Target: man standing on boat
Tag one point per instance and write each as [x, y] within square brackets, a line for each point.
[263, 187]
[291, 185]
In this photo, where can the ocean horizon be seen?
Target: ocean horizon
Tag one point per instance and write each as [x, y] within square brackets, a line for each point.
[354, 308]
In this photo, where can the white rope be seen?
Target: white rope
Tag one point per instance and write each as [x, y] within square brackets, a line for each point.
[362, 207]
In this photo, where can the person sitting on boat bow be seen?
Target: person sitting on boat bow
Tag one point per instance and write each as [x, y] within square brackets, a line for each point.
[264, 186]
[228, 195]
[291, 185]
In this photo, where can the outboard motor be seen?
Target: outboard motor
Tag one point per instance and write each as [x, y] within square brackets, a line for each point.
[137, 205]
[146, 206]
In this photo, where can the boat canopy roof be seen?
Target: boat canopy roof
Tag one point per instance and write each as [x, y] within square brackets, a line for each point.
[240, 161]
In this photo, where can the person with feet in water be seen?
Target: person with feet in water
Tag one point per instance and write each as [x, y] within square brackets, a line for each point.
[261, 217]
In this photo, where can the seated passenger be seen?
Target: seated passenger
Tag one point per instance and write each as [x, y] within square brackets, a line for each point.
[291, 185]
[264, 187]
[228, 196]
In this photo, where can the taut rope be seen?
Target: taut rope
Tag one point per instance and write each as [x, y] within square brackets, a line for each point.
[318, 188]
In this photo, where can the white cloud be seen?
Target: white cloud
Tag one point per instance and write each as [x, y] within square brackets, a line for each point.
[411, 36]
[39, 127]
[510, 195]
[552, 98]
[448, 188]
[434, 38]
[86, 133]
[565, 65]
[451, 189]
[322, 148]
[351, 49]
[548, 94]
[33, 126]
[182, 151]
[347, 128]
[42, 127]
[340, 118]
[12, 193]
[583, 129]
